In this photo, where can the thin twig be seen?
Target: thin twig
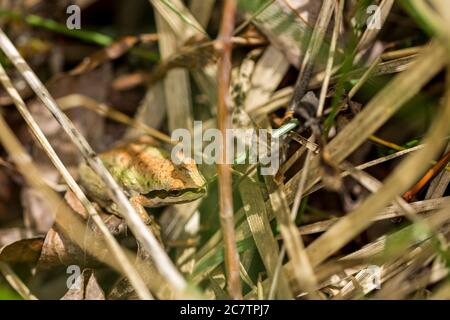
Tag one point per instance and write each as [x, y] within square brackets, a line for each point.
[223, 169]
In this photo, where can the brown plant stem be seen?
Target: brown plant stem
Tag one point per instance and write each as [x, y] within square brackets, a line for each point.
[224, 46]
[410, 194]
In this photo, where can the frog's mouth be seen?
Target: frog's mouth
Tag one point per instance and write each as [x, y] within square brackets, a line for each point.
[177, 195]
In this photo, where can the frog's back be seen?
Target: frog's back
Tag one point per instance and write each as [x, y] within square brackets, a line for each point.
[140, 168]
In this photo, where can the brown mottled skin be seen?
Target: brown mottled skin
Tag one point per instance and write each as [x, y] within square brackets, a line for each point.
[147, 176]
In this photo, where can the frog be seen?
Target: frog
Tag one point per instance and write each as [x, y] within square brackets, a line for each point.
[148, 177]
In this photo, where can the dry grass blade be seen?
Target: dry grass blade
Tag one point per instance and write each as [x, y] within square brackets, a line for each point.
[268, 73]
[259, 224]
[380, 109]
[311, 53]
[64, 216]
[176, 82]
[387, 213]
[148, 240]
[75, 100]
[330, 61]
[182, 23]
[179, 18]
[401, 53]
[388, 67]
[243, 230]
[370, 34]
[127, 268]
[303, 273]
[398, 182]
[202, 10]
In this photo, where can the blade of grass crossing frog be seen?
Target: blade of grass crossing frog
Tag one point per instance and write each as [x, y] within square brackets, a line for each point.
[64, 216]
[113, 245]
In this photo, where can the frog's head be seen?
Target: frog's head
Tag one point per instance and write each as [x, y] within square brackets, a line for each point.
[180, 183]
[146, 170]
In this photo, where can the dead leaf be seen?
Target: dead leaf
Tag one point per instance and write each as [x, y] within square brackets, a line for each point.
[58, 250]
[86, 288]
[22, 251]
[116, 225]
